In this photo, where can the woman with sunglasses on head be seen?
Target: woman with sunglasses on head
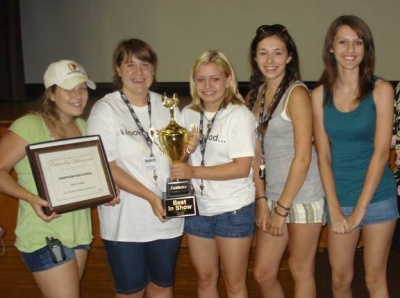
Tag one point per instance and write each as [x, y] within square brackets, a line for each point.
[289, 194]
[220, 169]
[353, 115]
[63, 102]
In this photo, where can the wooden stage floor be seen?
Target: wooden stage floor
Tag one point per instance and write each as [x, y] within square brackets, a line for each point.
[16, 281]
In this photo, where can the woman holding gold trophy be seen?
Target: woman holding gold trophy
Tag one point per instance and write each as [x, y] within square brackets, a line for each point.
[142, 246]
[221, 173]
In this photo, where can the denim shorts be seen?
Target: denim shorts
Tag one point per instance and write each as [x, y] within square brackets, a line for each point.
[378, 212]
[40, 259]
[233, 224]
[135, 264]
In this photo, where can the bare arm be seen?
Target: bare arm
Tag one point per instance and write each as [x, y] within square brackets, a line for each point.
[237, 168]
[12, 150]
[299, 109]
[129, 184]
[383, 95]
[263, 213]
[339, 221]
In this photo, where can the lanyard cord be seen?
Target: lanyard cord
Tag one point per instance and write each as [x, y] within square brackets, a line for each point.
[265, 120]
[204, 138]
[137, 121]
[260, 120]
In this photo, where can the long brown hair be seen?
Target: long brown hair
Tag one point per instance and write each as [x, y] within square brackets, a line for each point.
[49, 111]
[366, 68]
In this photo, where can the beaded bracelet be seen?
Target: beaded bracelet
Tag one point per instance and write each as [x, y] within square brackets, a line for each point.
[280, 214]
[280, 205]
[263, 197]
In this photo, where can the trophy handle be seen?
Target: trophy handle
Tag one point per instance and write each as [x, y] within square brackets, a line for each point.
[153, 134]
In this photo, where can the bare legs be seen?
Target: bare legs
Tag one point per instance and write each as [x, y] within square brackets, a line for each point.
[64, 280]
[302, 240]
[377, 239]
[232, 253]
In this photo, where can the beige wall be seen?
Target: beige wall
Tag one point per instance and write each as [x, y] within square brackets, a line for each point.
[179, 30]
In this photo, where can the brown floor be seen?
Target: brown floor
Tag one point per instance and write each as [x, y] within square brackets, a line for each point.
[16, 281]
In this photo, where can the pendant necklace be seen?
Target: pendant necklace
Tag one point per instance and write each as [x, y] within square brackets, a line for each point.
[208, 125]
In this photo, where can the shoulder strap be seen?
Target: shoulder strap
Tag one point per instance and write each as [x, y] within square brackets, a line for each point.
[289, 91]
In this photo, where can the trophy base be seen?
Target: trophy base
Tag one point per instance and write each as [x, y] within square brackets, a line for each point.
[179, 200]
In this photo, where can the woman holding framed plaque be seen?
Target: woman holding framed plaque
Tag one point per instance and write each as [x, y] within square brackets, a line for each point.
[289, 192]
[53, 247]
[141, 245]
[221, 173]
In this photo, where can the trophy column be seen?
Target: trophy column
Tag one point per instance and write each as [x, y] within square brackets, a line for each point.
[178, 200]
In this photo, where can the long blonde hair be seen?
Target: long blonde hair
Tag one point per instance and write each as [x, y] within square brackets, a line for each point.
[232, 94]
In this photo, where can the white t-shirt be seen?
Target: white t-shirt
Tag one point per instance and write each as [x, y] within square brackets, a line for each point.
[133, 219]
[232, 136]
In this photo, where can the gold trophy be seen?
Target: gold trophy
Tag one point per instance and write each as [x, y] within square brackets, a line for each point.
[178, 200]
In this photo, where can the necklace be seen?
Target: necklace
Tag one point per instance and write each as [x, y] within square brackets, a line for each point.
[209, 120]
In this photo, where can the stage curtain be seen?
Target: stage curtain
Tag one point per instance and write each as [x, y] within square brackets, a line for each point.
[12, 81]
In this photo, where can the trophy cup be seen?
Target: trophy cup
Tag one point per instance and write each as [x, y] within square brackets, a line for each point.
[178, 201]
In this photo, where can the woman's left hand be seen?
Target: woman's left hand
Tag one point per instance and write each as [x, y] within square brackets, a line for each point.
[194, 138]
[355, 218]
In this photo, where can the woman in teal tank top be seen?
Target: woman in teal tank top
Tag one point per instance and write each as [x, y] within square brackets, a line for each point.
[353, 119]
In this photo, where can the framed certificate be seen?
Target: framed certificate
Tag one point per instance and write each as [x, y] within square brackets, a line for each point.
[71, 173]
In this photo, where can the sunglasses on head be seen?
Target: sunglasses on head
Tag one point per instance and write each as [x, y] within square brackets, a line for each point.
[276, 27]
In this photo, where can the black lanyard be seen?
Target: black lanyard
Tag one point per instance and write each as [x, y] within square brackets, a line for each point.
[262, 119]
[137, 121]
[204, 138]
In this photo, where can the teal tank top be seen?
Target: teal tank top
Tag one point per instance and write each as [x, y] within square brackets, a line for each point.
[351, 137]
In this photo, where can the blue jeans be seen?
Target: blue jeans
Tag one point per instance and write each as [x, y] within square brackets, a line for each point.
[135, 264]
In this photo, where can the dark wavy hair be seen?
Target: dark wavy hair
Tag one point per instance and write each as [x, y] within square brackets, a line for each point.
[366, 69]
[124, 51]
[292, 72]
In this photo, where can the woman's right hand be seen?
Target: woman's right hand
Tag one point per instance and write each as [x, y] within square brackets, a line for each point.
[37, 204]
[158, 209]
